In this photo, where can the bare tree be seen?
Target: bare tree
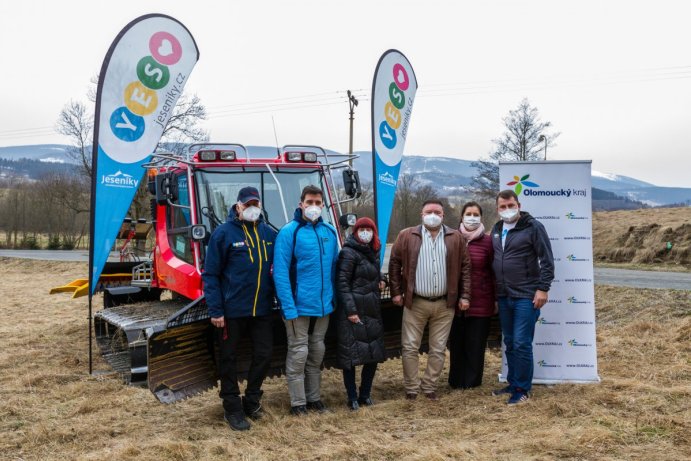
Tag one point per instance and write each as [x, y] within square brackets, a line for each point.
[183, 127]
[77, 123]
[523, 140]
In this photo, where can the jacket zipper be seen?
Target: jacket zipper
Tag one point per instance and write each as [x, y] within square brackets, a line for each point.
[259, 274]
[321, 266]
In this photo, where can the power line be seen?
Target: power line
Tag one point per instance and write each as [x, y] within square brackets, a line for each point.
[431, 90]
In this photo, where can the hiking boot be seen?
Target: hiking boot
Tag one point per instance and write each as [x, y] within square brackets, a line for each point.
[317, 406]
[237, 421]
[252, 410]
[353, 405]
[518, 397]
[502, 391]
[410, 395]
[298, 410]
[255, 413]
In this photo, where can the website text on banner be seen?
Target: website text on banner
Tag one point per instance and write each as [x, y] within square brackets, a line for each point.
[393, 94]
[558, 194]
[142, 77]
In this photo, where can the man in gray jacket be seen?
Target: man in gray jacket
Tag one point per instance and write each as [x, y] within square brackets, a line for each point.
[524, 269]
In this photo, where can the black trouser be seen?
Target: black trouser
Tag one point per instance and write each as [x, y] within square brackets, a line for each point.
[261, 335]
[366, 379]
[467, 343]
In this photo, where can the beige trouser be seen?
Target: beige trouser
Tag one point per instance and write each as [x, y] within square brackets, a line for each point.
[440, 319]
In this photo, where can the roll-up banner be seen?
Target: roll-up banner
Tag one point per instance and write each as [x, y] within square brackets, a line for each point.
[141, 78]
[558, 194]
[393, 93]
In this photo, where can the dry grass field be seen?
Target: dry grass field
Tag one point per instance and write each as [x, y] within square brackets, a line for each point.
[50, 409]
[638, 238]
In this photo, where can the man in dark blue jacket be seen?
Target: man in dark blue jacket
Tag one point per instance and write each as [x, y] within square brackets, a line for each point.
[240, 297]
[524, 269]
[304, 275]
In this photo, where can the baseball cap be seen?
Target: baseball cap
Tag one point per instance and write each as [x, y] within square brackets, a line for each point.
[248, 193]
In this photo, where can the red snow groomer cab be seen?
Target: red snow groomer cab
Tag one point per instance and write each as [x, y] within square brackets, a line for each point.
[167, 341]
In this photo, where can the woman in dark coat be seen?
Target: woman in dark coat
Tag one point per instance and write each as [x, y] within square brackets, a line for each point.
[470, 328]
[360, 328]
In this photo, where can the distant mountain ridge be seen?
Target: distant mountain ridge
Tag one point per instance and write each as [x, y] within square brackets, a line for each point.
[449, 175]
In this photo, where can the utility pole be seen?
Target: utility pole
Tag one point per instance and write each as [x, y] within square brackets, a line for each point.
[352, 102]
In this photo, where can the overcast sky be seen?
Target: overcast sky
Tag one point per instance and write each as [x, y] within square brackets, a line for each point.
[614, 77]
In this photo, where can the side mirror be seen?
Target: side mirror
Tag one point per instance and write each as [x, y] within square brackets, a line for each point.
[166, 188]
[351, 183]
[347, 220]
[197, 232]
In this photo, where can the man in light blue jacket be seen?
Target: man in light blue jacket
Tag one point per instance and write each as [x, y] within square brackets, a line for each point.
[305, 258]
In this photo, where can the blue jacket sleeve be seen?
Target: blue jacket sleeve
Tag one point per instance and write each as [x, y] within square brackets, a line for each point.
[283, 254]
[213, 271]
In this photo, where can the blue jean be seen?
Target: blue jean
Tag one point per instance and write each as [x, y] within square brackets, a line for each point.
[518, 317]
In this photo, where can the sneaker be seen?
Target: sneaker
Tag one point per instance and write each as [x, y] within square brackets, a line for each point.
[298, 410]
[502, 391]
[365, 402]
[317, 406]
[518, 397]
[237, 421]
[353, 405]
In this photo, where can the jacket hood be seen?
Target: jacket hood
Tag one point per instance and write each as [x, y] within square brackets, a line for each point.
[234, 217]
[365, 249]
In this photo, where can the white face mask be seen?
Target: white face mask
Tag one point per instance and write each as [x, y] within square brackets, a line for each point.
[251, 213]
[313, 212]
[365, 236]
[431, 220]
[509, 215]
[472, 222]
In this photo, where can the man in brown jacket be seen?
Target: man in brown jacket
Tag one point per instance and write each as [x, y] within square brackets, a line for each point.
[429, 273]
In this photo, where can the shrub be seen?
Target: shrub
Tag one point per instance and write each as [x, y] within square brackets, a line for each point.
[54, 242]
[67, 244]
[29, 243]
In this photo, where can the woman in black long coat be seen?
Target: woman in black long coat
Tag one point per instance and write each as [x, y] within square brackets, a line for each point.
[360, 328]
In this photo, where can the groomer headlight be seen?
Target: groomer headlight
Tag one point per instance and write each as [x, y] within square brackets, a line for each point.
[227, 155]
[294, 156]
[310, 157]
[207, 155]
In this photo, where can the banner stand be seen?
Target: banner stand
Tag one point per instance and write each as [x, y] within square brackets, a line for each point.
[559, 195]
[393, 93]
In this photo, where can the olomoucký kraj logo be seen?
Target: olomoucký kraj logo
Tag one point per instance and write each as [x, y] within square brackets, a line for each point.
[520, 183]
[575, 343]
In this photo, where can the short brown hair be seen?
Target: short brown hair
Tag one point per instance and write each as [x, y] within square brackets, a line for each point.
[311, 190]
[434, 201]
[506, 195]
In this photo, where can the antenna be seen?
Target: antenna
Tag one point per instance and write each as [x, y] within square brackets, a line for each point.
[278, 151]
